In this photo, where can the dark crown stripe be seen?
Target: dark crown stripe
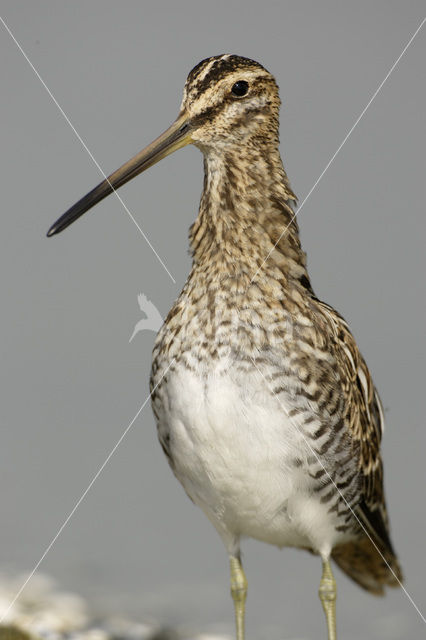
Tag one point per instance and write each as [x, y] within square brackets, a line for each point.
[221, 67]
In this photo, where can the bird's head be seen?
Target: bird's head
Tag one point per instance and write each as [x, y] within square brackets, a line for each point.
[228, 101]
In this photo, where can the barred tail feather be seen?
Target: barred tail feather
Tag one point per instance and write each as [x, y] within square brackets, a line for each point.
[362, 562]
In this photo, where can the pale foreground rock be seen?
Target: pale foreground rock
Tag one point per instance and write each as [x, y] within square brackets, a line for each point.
[44, 612]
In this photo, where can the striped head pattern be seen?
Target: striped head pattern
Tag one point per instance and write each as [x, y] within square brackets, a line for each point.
[230, 99]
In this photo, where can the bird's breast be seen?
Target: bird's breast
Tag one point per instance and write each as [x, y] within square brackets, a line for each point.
[237, 452]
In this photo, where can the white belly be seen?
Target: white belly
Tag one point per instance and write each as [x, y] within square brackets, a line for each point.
[234, 450]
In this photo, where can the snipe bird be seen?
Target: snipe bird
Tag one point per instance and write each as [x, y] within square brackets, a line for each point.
[265, 407]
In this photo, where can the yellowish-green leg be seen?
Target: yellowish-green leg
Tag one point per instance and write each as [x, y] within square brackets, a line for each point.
[239, 594]
[327, 594]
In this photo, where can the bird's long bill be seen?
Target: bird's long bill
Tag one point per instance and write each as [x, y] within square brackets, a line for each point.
[176, 136]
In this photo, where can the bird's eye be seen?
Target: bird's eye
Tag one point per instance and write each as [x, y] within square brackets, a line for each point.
[240, 88]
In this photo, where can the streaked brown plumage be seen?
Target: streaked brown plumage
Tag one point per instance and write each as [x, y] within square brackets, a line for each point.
[265, 407]
[227, 251]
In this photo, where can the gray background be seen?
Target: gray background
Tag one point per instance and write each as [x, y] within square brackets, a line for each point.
[71, 382]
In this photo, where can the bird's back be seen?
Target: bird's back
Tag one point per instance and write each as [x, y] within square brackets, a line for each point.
[369, 560]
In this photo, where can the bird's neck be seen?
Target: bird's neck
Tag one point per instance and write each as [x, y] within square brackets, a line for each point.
[246, 225]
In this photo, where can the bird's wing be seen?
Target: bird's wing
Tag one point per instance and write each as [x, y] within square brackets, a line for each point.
[365, 422]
